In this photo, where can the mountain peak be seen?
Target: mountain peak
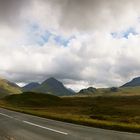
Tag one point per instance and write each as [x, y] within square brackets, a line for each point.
[53, 86]
[51, 80]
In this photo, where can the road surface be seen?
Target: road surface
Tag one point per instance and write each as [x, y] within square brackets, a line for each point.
[19, 126]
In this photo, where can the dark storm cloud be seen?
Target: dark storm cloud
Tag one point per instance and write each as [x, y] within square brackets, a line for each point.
[75, 14]
[92, 14]
[10, 10]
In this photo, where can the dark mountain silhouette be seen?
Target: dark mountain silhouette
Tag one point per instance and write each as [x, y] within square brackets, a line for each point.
[50, 86]
[30, 86]
[133, 83]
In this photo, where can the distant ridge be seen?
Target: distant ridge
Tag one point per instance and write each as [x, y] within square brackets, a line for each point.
[89, 90]
[133, 83]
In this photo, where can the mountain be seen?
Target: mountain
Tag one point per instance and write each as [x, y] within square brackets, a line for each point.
[8, 88]
[89, 90]
[52, 86]
[30, 86]
[133, 83]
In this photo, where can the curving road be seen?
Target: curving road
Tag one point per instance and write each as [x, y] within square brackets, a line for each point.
[19, 126]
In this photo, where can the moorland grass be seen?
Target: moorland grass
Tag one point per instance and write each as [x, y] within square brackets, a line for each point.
[110, 112]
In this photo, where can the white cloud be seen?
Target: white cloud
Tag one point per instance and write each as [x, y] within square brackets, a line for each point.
[92, 58]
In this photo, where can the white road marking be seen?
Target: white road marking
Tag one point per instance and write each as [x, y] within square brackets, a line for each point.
[57, 131]
[33, 124]
[6, 115]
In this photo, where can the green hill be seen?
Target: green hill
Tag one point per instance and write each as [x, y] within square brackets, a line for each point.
[8, 88]
[32, 99]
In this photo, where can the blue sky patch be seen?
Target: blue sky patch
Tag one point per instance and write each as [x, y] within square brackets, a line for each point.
[124, 34]
[36, 35]
[60, 40]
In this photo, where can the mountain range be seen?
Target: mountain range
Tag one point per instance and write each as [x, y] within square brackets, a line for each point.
[132, 84]
[50, 86]
[55, 87]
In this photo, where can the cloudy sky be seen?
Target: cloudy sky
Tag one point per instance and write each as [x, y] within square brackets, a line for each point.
[80, 42]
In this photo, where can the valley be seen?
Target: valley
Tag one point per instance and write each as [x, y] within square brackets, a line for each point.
[110, 112]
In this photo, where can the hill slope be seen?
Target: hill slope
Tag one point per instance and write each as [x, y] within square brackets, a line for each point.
[8, 88]
[133, 83]
[32, 99]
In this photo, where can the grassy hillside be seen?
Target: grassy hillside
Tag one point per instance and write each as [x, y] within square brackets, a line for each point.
[32, 99]
[112, 112]
[7, 88]
[130, 90]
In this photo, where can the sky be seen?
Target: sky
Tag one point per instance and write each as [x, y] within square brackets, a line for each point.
[79, 42]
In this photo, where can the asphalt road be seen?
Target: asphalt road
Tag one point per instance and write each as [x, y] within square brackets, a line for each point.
[19, 126]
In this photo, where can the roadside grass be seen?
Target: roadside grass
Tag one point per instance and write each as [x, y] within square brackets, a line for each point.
[111, 112]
